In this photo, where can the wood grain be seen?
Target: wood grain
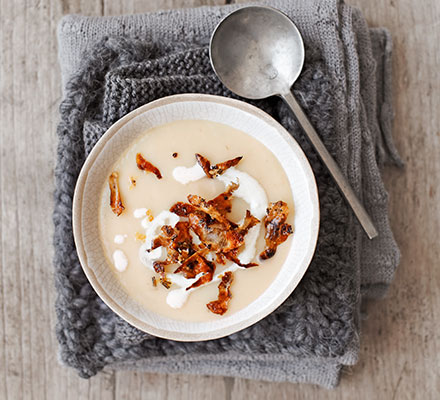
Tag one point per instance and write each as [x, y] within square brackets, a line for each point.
[400, 340]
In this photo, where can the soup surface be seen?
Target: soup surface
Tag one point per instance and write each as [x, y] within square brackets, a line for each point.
[144, 197]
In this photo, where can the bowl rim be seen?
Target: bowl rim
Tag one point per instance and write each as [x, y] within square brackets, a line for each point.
[77, 219]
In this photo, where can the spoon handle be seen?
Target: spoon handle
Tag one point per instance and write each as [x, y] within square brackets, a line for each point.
[335, 171]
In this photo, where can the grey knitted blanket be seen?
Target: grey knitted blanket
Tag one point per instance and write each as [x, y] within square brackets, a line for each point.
[112, 65]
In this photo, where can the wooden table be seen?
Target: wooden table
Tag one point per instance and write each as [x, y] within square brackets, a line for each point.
[400, 339]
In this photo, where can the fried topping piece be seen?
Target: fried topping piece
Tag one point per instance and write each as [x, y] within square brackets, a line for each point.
[201, 204]
[140, 236]
[115, 194]
[220, 205]
[220, 306]
[144, 165]
[180, 249]
[182, 209]
[188, 267]
[154, 281]
[214, 235]
[177, 241]
[208, 221]
[165, 282]
[205, 164]
[212, 171]
[223, 201]
[220, 258]
[149, 215]
[277, 230]
[218, 169]
[195, 265]
[159, 267]
[249, 222]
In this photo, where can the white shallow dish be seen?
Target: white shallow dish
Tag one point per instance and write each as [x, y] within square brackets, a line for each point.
[119, 137]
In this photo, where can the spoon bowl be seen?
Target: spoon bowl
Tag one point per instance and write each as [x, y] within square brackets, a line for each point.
[258, 52]
[254, 62]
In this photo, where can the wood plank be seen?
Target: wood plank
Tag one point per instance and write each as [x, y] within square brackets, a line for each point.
[189, 387]
[135, 385]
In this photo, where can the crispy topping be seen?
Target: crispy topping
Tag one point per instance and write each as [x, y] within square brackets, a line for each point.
[220, 258]
[203, 205]
[214, 235]
[223, 201]
[220, 306]
[140, 236]
[177, 241]
[208, 221]
[205, 164]
[195, 265]
[165, 282]
[217, 234]
[182, 209]
[277, 230]
[218, 169]
[149, 215]
[204, 236]
[212, 171]
[159, 267]
[115, 194]
[249, 222]
[144, 165]
[189, 267]
[217, 238]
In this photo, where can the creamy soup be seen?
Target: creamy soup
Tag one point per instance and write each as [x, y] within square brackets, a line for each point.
[171, 148]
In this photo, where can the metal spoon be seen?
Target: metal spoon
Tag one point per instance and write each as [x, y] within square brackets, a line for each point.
[258, 52]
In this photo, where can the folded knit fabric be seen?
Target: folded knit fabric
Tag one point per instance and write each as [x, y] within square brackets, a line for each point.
[112, 65]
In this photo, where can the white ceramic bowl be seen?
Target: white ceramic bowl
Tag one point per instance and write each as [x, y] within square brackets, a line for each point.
[238, 115]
